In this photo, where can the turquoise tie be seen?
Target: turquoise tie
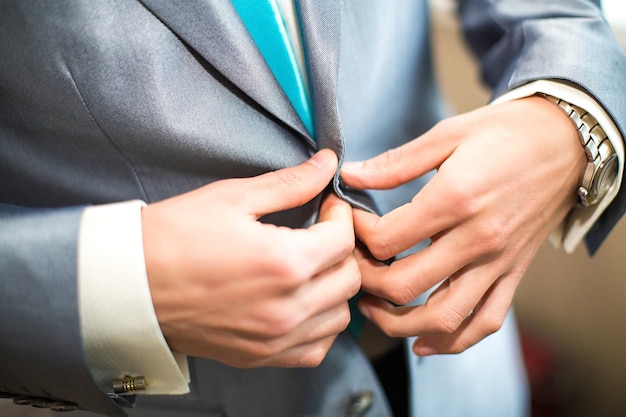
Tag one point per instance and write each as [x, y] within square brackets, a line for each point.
[264, 23]
[263, 20]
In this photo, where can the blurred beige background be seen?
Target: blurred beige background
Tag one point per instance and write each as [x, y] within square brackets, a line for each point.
[574, 304]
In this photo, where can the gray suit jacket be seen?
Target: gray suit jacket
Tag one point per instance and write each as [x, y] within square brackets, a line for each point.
[115, 100]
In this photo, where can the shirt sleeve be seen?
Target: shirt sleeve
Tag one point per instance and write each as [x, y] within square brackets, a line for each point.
[121, 334]
[573, 229]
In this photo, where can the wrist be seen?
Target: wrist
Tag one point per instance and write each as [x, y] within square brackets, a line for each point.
[602, 164]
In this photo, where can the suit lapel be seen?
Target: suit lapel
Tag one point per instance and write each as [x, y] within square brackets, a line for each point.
[320, 25]
[215, 31]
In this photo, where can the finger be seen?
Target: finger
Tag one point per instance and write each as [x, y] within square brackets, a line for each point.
[292, 306]
[289, 187]
[308, 355]
[310, 340]
[282, 349]
[402, 164]
[441, 205]
[391, 234]
[486, 319]
[332, 287]
[445, 310]
[361, 252]
[334, 209]
[407, 278]
[305, 356]
[327, 242]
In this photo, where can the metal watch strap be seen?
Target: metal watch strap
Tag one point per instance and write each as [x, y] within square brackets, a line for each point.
[597, 147]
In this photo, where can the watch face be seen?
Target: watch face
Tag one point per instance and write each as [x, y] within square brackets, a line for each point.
[604, 179]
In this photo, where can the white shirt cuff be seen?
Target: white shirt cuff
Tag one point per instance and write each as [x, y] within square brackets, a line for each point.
[121, 334]
[573, 229]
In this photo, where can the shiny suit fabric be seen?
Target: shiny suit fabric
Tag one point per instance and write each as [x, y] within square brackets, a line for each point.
[115, 100]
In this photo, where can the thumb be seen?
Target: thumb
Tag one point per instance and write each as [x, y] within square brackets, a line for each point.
[400, 165]
[290, 187]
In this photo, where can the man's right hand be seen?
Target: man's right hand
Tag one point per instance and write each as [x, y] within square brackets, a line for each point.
[228, 287]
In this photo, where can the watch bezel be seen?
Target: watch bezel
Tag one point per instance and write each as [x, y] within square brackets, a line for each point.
[603, 179]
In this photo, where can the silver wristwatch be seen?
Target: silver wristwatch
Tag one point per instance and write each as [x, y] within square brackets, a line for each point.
[602, 163]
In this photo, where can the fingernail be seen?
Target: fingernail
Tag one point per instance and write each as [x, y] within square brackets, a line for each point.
[321, 158]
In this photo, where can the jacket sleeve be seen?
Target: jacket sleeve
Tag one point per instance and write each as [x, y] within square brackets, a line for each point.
[41, 355]
[517, 42]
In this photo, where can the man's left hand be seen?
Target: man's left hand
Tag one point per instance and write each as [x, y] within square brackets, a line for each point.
[506, 177]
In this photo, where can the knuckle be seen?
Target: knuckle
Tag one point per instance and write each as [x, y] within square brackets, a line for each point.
[343, 320]
[448, 124]
[284, 325]
[454, 127]
[491, 324]
[352, 282]
[344, 256]
[402, 293]
[349, 244]
[290, 272]
[381, 247]
[314, 356]
[355, 285]
[488, 327]
[289, 178]
[448, 321]
[392, 328]
[462, 197]
[269, 257]
[283, 262]
[258, 352]
[265, 351]
[392, 331]
[280, 321]
[393, 156]
[492, 238]
[459, 347]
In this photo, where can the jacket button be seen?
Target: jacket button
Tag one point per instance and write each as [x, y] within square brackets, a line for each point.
[63, 406]
[360, 403]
